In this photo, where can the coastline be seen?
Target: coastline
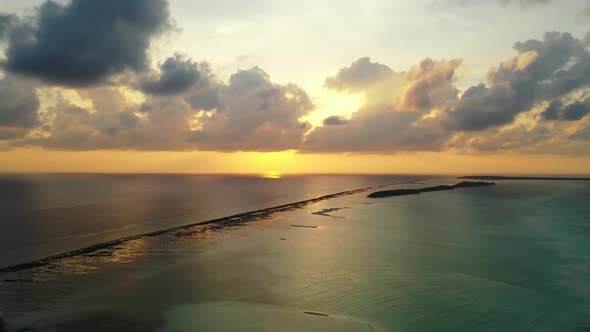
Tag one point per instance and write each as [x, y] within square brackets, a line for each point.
[544, 178]
[223, 221]
[403, 192]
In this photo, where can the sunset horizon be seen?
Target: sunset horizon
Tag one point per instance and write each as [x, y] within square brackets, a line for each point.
[294, 165]
[167, 104]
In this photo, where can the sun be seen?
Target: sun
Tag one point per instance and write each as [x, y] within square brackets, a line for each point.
[271, 175]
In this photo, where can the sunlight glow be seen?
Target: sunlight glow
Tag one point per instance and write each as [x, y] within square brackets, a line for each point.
[271, 175]
[333, 103]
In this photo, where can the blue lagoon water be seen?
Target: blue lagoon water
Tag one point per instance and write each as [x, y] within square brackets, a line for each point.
[510, 257]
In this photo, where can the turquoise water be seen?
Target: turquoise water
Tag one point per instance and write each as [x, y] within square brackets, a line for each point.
[511, 257]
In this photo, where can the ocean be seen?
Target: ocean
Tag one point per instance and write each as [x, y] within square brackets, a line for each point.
[47, 214]
[510, 257]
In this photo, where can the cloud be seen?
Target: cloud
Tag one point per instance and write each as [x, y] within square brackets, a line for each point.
[177, 74]
[115, 123]
[256, 114]
[481, 107]
[543, 70]
[426, 85]
[553, 111]
[83, 42]
[206, 97]
[582, 134]
[422, 109]
[186, 107]
[11, 133]
[19, 105]
[378, 131]
[335, 121]
[563, 65]
[394, 116]
[7, 22]
[252, 113]
[430, 84]
[571, 112]
[359, 76]
[519, 138]
[108, 125]
[575, 111]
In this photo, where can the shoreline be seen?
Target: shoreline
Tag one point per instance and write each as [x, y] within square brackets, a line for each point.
[231, 219]
[404, 192]
[500, 178]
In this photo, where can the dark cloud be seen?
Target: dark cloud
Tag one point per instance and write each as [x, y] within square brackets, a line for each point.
[7, 22]
[562, 66]
[19, 103]
[83, 42]
[543, 70]
[11, 133]
[552, 112]
[207, 97]
[177, 74]
[481, 107]
[571, 112]
[575, 111]
[335, 121]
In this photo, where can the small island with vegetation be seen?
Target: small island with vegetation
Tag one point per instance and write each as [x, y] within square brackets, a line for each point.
[401, 192]
[496, 177]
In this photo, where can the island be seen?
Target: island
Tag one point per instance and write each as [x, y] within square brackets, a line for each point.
[469, 184]
[395, 192]
[495, 177]
[401, 192]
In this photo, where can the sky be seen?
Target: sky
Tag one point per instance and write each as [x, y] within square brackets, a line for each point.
[323, 86]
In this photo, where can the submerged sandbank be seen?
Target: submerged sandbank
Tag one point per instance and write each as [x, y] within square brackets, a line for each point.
[105, 248]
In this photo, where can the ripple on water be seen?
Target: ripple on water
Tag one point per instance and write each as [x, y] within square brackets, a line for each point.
[247, 316]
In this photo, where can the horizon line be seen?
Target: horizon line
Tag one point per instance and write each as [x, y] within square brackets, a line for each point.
[2, 173]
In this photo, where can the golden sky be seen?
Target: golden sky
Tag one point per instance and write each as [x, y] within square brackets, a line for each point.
[36, 160]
